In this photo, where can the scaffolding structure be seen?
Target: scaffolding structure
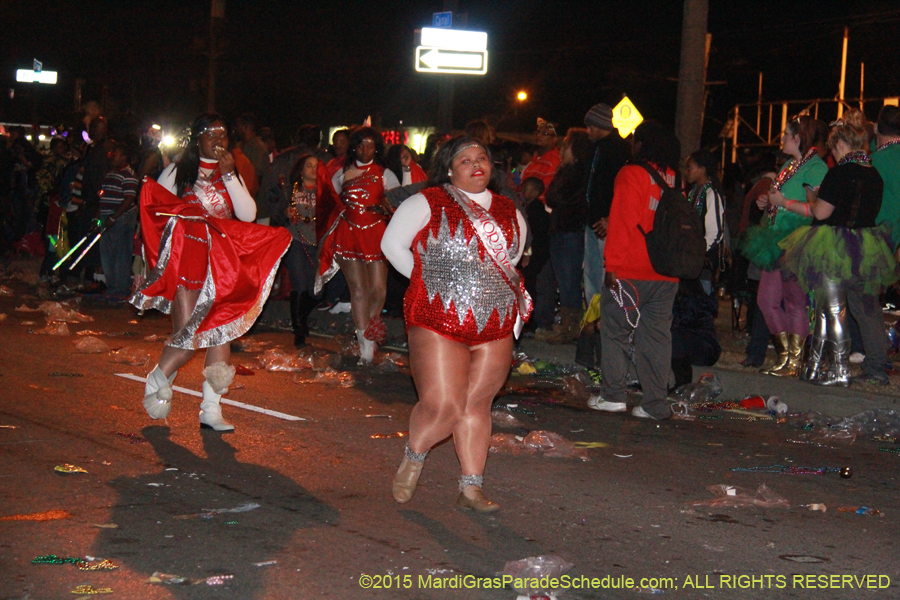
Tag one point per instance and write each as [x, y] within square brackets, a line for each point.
[772, 117]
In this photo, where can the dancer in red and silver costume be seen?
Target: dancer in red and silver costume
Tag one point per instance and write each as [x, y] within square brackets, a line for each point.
[209, 265]
[458, 242]
[352, 241]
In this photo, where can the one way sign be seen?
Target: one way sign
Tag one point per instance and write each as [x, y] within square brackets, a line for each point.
[445, 60]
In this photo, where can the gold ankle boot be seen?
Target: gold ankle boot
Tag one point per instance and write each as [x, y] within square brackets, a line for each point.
[406, 479]
[780, 341]
[475, 500]
[795, 351]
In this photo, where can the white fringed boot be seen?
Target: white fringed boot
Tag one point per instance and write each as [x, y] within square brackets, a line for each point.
[218, 377]
[158, 393]
[366, 347]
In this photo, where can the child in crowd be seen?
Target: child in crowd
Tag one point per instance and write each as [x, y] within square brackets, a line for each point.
[537, 248]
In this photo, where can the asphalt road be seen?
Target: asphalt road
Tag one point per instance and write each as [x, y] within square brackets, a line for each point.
[152, 497]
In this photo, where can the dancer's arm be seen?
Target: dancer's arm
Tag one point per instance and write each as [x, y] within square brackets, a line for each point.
[409, 219]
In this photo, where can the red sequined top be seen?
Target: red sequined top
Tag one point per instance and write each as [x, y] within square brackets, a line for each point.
[455, 289]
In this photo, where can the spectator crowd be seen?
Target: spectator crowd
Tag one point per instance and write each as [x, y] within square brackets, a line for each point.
[815, 225]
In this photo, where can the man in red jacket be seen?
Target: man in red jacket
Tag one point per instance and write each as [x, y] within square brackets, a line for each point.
[635, 298]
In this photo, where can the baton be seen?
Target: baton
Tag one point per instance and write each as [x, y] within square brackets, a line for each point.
[70, 252]
[86, 250]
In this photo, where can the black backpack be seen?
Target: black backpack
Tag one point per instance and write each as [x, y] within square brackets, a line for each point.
[676, 245]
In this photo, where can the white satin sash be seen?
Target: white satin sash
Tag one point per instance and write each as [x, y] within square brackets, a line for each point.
[495, 246]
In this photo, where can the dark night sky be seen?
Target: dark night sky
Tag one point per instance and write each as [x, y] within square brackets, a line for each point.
[335, 62]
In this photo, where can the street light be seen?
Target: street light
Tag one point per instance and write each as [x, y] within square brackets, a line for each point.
[522, 96]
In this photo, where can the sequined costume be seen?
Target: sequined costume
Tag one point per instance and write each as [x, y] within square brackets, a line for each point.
[358, 224]
[455, 289]
[203, 247]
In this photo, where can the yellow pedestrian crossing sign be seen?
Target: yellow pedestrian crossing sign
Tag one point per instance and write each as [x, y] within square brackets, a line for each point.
[626, 117]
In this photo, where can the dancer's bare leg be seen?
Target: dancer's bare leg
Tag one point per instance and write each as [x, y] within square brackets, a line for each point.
[215, 354]
[488, 371]
[172, 358]
[440, 370]
[357, 280]
[376, 280]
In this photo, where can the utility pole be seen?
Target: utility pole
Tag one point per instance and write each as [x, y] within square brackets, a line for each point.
[691, 80]
[445, 88]
[216, 19]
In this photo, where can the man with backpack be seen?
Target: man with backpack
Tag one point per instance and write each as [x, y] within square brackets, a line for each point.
[636, 298]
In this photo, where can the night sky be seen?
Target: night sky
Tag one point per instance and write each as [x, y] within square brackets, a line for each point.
[336, 62]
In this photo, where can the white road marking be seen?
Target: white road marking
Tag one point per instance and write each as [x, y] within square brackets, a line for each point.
[265, 411]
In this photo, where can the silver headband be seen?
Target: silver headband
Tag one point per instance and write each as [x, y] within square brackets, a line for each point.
[211, 128]
[466, 147]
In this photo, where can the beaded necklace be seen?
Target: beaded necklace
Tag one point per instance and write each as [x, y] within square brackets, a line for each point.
[792, 169]
[698, 196]
[856, 156]
[888, 144]
[303, 198]
[783, 178]
[302, 209]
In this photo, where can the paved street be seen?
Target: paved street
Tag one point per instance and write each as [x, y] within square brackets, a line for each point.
[156, 494]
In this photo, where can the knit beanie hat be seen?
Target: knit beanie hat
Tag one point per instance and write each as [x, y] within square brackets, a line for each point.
[600, 116]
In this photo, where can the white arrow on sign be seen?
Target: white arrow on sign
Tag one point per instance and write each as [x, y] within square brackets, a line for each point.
[442, 60]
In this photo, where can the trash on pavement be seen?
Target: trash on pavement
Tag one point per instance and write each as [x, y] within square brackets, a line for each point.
[170, 579]
[276, 359]
[329, 377]
[529, 571]
[25, 308]
[753, 402]
[88, 563]
[551, 444]
[47, 515]
[775, 405]
[91, 345]
[53, 328]
[507, 443]
[243, 370]
[89, 589]
[67, 468]
[208, 513]
[130, 356]
[861, 510]
[267, 563]
[57, 312]
[502, 418]
[707, 389]
[737, 497]
[575, 388]
[249, 345]
[156, 337]
[816, 507]
[385, 436]
[526, 368]
[792, 470]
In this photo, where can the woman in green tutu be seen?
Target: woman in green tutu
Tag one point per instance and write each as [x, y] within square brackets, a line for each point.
[843, 258]
[780, 297]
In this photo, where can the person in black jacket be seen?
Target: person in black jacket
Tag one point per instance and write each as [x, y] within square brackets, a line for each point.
[609, 152]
